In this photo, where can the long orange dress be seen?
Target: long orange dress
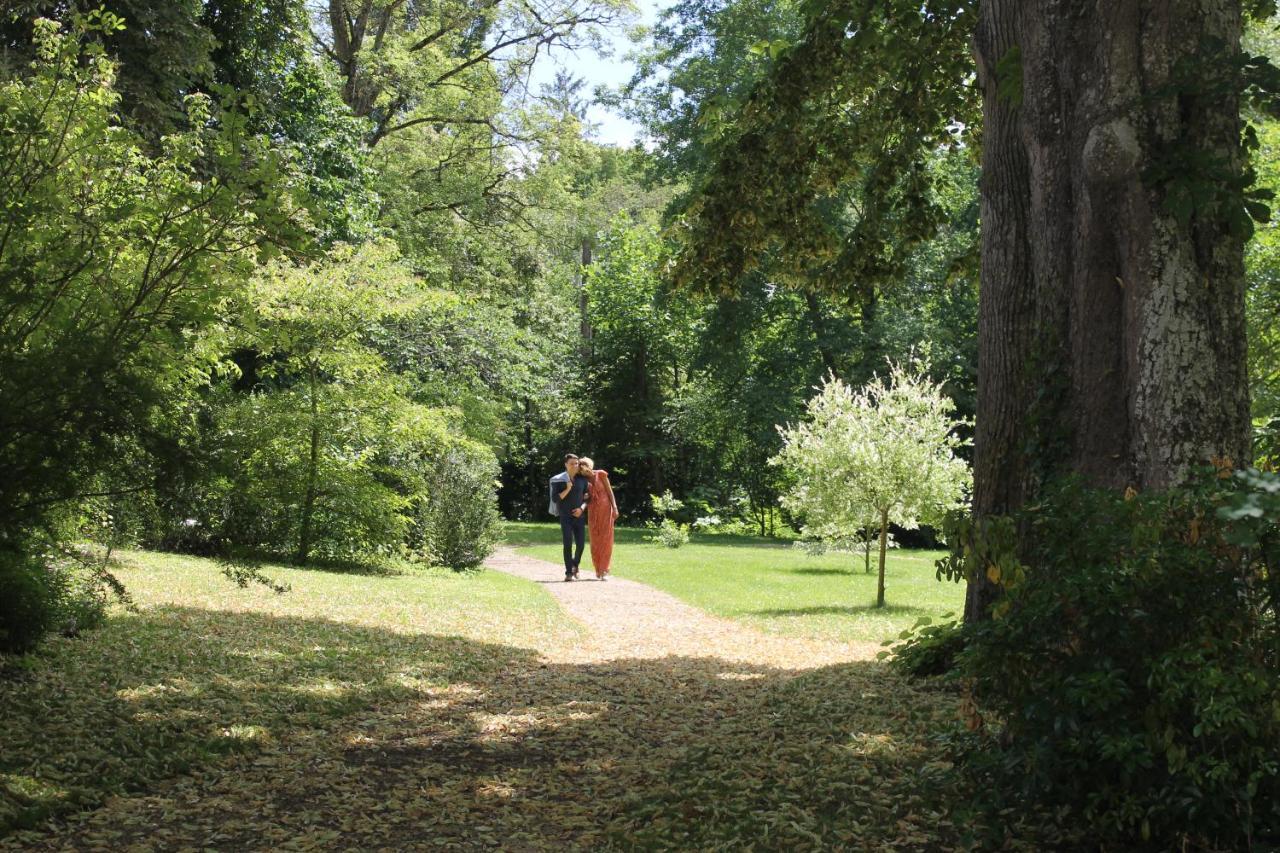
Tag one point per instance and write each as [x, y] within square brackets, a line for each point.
[600, 523]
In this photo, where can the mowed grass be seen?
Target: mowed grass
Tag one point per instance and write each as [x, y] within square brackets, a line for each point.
[773, 586]
[204, 670]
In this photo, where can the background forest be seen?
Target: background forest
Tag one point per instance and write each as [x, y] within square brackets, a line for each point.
[309, 273]
[306, 275]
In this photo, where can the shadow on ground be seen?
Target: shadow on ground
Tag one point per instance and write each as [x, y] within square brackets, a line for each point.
[843, 610]
[247, 731]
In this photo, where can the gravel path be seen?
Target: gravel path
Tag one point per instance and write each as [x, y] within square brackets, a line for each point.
[625, 619]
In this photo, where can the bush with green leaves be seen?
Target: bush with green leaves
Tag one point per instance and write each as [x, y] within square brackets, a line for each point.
[457, 523]
[28, 606]
[79, 594]
[926, 649]
[668, 531]
[1132, 676]
[116, 257]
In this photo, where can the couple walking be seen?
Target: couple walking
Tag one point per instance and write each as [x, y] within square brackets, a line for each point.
[582, 497]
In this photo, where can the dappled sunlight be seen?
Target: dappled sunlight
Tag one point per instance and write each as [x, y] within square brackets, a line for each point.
[740, 676]
[864, 743]
[336, 730]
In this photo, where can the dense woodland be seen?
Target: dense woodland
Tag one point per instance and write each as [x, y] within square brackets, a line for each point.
[336, 282]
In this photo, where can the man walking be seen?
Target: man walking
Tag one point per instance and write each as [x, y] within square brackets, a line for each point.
[569, 494]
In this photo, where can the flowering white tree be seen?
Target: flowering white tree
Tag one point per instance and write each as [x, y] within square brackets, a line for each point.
[881, 455]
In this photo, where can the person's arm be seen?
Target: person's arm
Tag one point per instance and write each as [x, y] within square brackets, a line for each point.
[613, 502]
[586, 493]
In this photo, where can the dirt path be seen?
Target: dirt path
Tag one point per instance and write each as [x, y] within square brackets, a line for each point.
[626, 619]
[665, 728]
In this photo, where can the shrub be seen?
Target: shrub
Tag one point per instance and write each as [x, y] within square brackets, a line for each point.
[27, 602]
[78, 597]
[671, 534]
[927, 649]
[458, 523]
[1133, 673]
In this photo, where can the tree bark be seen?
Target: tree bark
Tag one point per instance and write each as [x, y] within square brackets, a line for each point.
[1111, 331]
[884, 546]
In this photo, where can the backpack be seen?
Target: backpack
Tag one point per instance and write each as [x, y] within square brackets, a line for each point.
[561, 478]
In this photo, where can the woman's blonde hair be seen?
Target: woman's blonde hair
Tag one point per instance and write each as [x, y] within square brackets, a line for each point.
[586, 460]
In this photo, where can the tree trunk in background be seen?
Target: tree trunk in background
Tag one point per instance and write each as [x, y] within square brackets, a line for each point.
[1111, 332]
[313, 470]
[583, 307]
[814, 309]
[884, 546]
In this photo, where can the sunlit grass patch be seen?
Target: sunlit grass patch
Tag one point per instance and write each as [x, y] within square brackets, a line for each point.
[772, 586]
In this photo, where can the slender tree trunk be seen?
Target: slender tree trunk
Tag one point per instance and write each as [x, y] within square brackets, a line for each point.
[531, 463]
[813, 308]
[884, 546]
[583, 305]
[313, 465]
[1111, 331]
[872, 351]
[866, 550]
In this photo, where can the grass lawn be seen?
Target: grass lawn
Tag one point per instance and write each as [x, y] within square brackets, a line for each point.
[442, 711]
[205, 669]
[773, 586]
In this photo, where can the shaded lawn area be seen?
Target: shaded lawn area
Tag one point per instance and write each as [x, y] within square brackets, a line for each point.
[772, 586]
[206, 669]
[438, 711]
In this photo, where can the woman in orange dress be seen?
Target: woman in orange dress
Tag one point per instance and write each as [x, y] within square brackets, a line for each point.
[602, 512]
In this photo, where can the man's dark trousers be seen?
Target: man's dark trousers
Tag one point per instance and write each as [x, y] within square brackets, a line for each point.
[574, 532]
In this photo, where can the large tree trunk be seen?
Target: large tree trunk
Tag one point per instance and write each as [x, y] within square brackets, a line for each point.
[1111, 332]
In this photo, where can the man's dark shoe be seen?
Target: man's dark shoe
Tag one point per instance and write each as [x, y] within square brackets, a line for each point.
[575, 572]
[568, 578]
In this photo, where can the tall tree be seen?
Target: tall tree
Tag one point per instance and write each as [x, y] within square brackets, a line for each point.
[1112, 256]
[1115, 204]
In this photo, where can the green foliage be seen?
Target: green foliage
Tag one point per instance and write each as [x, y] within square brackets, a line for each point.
[699, 63]
[671, 533]
[927, 649]
[668, 531]
[114, 260]
[864, 459]
[642, 336]
[1134, 678]
[80, 593]
[823, 178]
[28, 606]
[1262, 306]
[322, 452]
[457, 522]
